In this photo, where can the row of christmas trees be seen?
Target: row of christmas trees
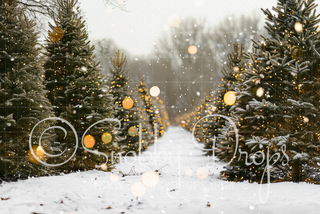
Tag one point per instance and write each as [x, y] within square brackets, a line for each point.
[272, 95]
[64, 81]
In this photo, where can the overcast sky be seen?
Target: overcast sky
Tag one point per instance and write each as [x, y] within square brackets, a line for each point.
[137, 29]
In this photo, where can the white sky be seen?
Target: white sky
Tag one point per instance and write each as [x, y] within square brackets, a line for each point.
[137, 29]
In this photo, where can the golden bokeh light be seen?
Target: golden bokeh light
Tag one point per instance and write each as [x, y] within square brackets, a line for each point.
[114, 177]
[305, 119]
[192, 49]
[154, 91]
[106, 137]
[104, 167]
[56, 34]
[138, 189]
[89, 141]
[150, 178]
[236, 69]
[174, 20]
[133, 131]
[202, 173]
[38, 151]
[260, 92]
[298, 27]
[127, 103]
[230, 98]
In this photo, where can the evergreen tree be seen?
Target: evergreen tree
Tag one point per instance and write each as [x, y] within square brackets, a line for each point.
[160, 113]
[130, 117]
[150, 107]
[278, 107]
[22, 96]
[76, 87]
[202, 111]
[138, 115]
[164, 117]
[232, 78]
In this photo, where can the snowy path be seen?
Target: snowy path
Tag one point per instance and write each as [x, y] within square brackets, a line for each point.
[178, 190]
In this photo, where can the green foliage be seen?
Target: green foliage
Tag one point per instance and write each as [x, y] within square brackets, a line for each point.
[151, 109]
[77, 89]
[285, 67]
[22, 96]
[277, 108]
[132, 117]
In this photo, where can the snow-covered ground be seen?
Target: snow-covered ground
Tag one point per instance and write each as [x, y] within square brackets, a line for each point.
[179, 190]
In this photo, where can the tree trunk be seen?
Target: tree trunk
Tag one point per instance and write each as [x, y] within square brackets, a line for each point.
[296, 171]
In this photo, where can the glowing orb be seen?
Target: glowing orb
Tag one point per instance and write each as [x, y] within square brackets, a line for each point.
[298, 27]
[154, 91]
[192, 49]
[83, 69]
[150, 178]
[56, 34]
[106, 137]
[174, 20]
[202, 172]
[138, 189]
[260, 92]
[104, 167]
[127, 103]
[114, 177]
[235, 69]
[305, 119]
[296, 52]
[133, 131]
[38, 151]
[165, 27]
[189, 172]
[230, 98]
[89, 141]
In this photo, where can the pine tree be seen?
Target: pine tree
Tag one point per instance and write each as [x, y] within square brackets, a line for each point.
[164, 117]
[150, 107]
[76, 87]
[22, 96]
[160, 114]
[130, 117]
[278, 107]
[202, 111]
[138, 115]
[232, 78]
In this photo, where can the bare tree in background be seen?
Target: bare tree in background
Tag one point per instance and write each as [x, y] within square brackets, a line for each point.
[235, 29]
[35, 7]
[45, 6]
[185, 79]
[40, 9]
[190, 77]
[188, 74]
[104, 49]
